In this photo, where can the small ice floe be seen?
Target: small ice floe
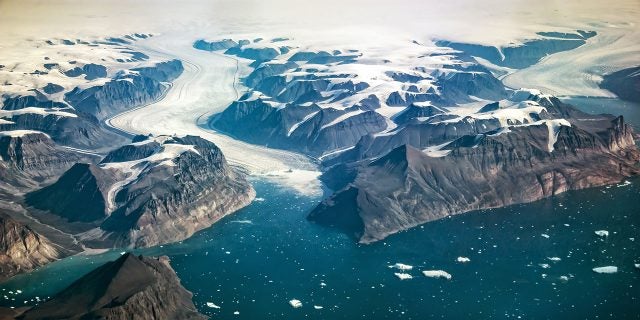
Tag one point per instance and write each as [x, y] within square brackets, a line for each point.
[602, 233]
[242, 221]
[564, 278]
[624, 184]
[637, 265]
[544, 235]
[322, 284]
[554, 258]
[317, 307]
[213, 305]
[607, 269]
[258, 199]
[544, 266]
[403, 276]
[295, 303]
[401, 266]
[437, 274]
[236, 312]
[463, 259]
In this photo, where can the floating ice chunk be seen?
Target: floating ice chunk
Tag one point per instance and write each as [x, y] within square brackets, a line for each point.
[242, 221]
[637, 265]
[544, 266]
[463, 259]
[564, 278]
[295, 303]
[322, 284]
[258, 199]
[624, 184]
[213, 305]
[317, 307]
[607, 269]
[554, 258]
[602, 233]
[236, 312]
[437, 274]
[401, 266]
[403, 276]
[545, 235]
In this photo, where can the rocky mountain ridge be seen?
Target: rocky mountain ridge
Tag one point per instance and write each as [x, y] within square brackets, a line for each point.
[131, 287]
[153, 191]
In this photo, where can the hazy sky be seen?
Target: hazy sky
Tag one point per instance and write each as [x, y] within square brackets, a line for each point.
[471, 20]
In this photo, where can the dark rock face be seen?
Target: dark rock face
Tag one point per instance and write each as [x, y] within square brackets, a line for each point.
[22, 249]
[151, 192]
[215, 45]
[84, 131]
[309, 129]
[21, 102]
[30, 158]
[128, 288]
[52, 88]
[79, 194]
[525, 54]
[407, 187]
[91, 71]
[125, 91]
[624, 83]
[241, 49]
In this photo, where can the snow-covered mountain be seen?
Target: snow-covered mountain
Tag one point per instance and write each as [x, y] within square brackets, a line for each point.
[153, 191]
[68, 86]
[432, 121]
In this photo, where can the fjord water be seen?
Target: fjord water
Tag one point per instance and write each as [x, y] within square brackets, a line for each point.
[256, 260]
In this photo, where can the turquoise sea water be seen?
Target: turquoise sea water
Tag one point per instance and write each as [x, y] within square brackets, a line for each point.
[256, 260]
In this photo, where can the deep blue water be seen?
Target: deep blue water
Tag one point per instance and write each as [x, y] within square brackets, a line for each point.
[256, 268]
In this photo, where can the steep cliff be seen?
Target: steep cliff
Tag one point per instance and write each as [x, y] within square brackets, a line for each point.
[136, 87]
[153, 191]
[521, 163]
[31, 157]
[22, 249]
[624, 83]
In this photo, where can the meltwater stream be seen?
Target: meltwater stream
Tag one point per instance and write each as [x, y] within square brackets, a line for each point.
[531, 261]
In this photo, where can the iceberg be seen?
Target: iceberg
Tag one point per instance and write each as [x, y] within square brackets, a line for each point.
[437, 274]
[212, 305]
[463, 259]
[403, 276]
[295, 303]
[607, 269]
[602, 233]
[401, 266]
